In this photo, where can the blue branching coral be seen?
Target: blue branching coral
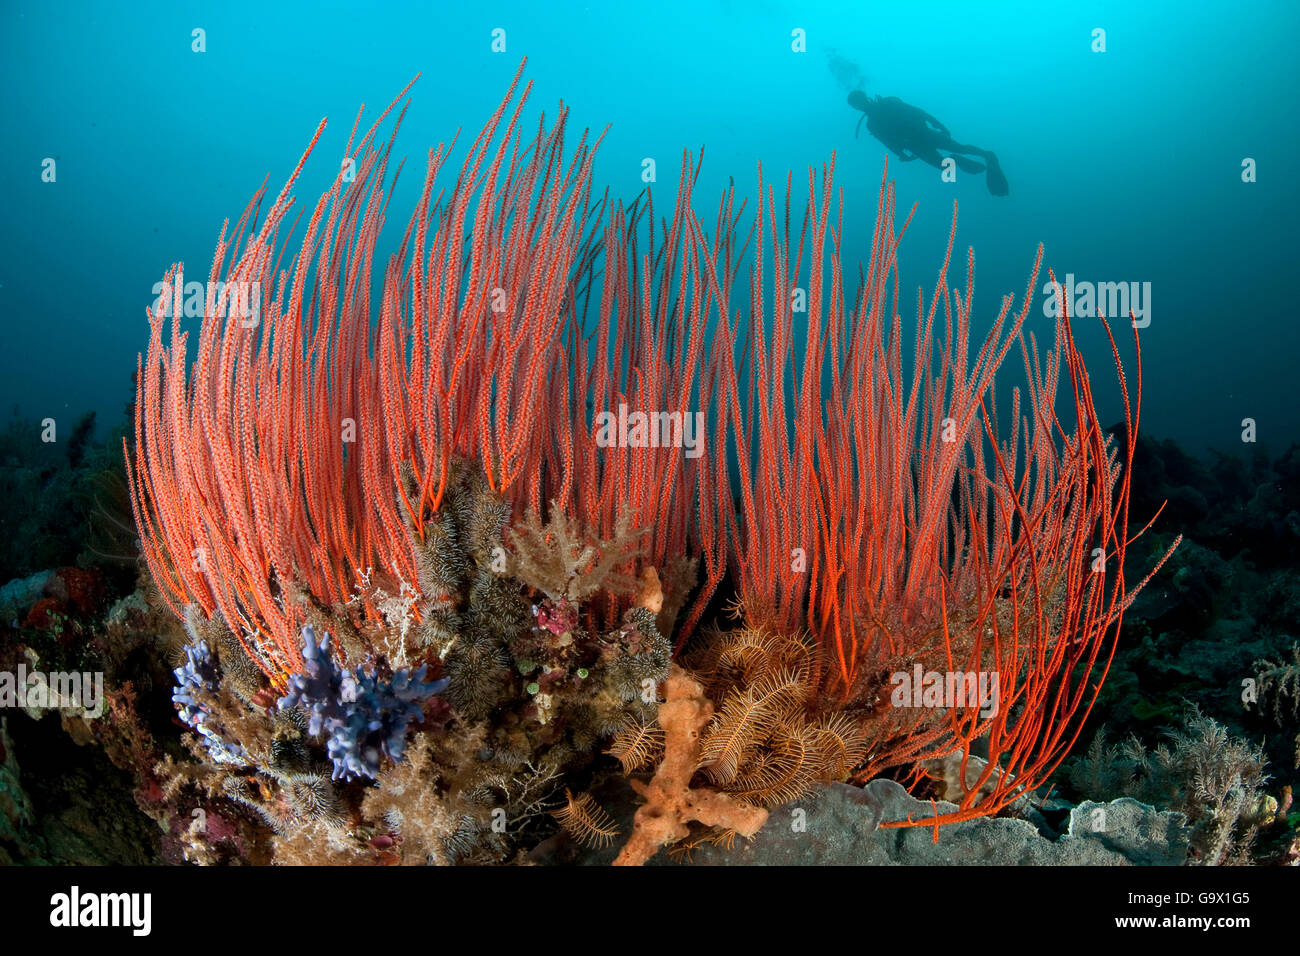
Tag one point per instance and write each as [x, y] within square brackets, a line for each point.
[197, 678]
[364, 717]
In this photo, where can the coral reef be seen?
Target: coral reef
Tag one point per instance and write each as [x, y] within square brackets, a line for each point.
[1229, 597]
[415, 609]
[497, 518]
[365, 762]
[1218, 625]
[1214, 780]
[1278, 691]
[18, 842]
[482, 788]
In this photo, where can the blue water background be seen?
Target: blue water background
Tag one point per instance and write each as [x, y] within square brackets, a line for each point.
[1126, 164]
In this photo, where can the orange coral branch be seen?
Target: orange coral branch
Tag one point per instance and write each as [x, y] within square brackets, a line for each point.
[670, 801]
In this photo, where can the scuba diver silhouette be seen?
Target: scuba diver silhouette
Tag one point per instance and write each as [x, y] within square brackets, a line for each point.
[912, 133]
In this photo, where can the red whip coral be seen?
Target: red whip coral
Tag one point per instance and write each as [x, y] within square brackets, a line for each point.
[304, 462]
[907, 526]
[309, 449]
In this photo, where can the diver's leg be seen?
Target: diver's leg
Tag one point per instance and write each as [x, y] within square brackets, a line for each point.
[964, 149]
[997, 180]
[966, 164]
[944, 142]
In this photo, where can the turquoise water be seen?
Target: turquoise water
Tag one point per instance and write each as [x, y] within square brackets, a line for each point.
[1126, 163]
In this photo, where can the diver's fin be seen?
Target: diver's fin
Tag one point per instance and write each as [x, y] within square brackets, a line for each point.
[967, 165]
[996, 179]
[858, 129]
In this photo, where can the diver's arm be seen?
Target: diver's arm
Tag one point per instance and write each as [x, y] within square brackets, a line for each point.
[936, 124]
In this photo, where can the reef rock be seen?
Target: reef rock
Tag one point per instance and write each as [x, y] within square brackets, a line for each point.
[21, 593]
[840, 826]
